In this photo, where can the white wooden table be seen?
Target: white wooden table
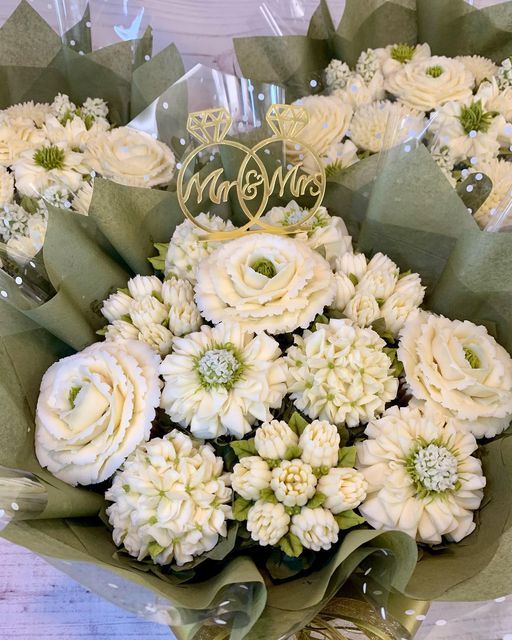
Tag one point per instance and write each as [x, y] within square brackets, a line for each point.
[37, 601]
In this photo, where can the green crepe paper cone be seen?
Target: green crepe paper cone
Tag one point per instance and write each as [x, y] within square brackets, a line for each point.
[36, 64]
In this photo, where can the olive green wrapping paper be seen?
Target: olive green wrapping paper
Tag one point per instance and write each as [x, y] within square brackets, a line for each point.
[451, 27]
[36, 64]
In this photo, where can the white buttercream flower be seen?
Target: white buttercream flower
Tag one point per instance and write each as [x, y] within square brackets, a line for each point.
[467, 129]
[131, 157]
[184, 316]
[394, 56]
[422, 478]
[325, 234]
[362, 309]
[431, 82]
[368, 64]
[250, 476]
[315, 528]
[28, 111]
[71, 132]
[500, 174]
[345, 291]
[336, 75]
[17, 136]
[460, 367]
[344, 489]
[13, 221]
[170, 500]
[329, 119]
[121, 330]
[116, 306]
[147, 311]
[95, 107]
[188, 248]
[267, 523]
[264, 282]
[443, 158]
[357, 92]
[94, 408]
[496, 98]
[504, 73]
[370, 122]
[38, 169]
[158, 337]
[62, 107]
[337, 157]
[222, 380]
[83, 198]
[6, 187]
[273, 439]
[380, 278]
[293, 482]
[21, 247]
[340, 373]
[480, 68]
[352, 264]
[142, 286]
[407, 296]
[320, 443]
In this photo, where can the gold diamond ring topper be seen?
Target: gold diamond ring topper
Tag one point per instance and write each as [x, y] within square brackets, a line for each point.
[255, 182]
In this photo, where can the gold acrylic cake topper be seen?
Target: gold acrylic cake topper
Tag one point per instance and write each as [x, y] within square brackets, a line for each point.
[210, 128]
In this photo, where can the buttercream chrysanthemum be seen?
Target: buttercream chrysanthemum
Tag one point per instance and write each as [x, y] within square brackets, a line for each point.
[95, 407]
[337, 157]
[38, 169]
[468, 129]
[36, 112]
[222, 380]
[500, 174]
[460, 367]
[422, 478]
[17, 136]
[265, 283]
[83, 198]
[170, 500]
[157, 312]
[340, 373]
[280, 490]
[370, 122]
[188, 247]
[481, 68]
[496, 98]
[431, 82]
[325, 234]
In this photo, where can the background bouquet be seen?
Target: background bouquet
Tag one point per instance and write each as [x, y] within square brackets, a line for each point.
[250, 593]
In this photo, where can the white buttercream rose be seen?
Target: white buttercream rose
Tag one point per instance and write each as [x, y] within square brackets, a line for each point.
[131, 157]
[94, 409]
[460, 367]
[264, 282]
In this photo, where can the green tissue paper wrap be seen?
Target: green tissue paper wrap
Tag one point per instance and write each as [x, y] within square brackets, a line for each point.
[450, 27]
[36, 64]
[468, 273]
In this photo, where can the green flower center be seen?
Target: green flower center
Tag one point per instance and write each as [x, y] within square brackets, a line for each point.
[474, 118]
[73, 392]
[472, 358]
[49, 158]
[434, 71]
[402, 52]
[265, 267]
[220, 367]
[433, 468]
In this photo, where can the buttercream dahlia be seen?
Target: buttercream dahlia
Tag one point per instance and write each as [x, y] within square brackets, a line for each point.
[170, 500]
[264, 282]
[222, 380]
[422, 478]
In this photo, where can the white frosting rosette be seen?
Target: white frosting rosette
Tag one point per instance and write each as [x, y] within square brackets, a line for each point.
[264, 282]
[222, 380]
[431, 82]
[329, 119]
[422, 478]
[131, 157]
[460, 367]
[94, 409]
